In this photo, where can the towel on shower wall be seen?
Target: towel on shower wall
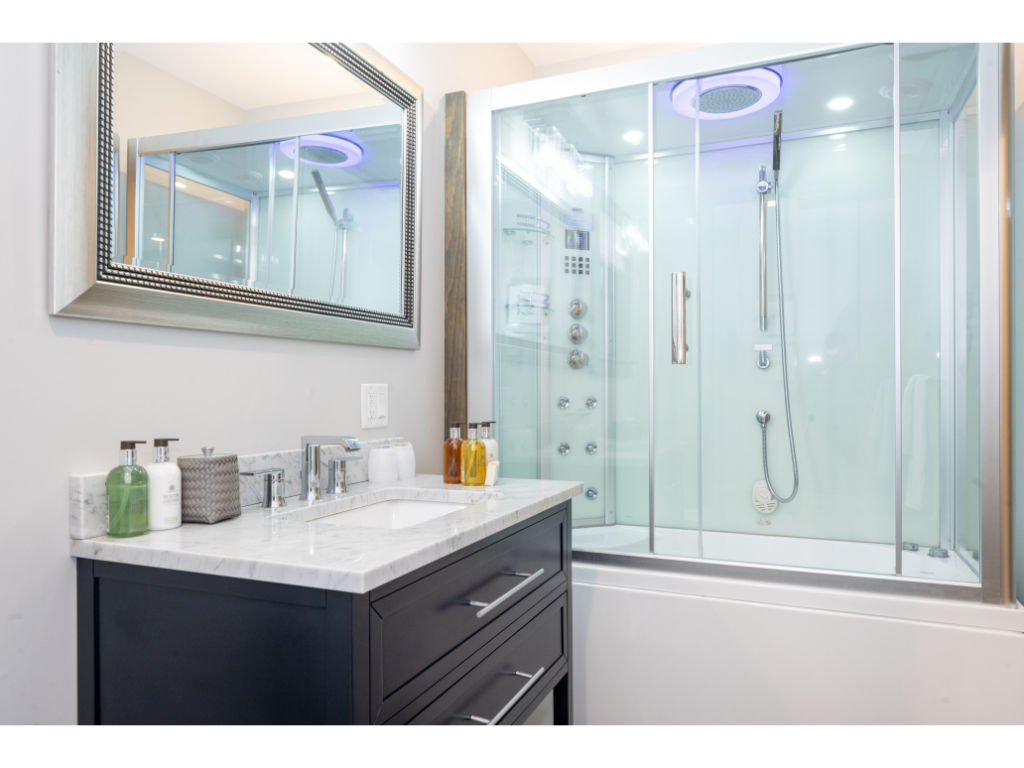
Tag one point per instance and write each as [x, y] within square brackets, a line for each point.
[881, 427]
[921, 458]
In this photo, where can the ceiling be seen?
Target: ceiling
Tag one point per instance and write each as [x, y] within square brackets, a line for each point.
[558, 58]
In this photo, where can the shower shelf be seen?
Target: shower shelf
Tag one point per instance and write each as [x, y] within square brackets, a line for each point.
[511, 230]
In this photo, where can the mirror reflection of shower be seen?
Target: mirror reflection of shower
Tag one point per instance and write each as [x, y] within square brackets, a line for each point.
[342, 224]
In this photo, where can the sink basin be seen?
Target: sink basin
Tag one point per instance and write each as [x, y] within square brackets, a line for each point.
[394, 513]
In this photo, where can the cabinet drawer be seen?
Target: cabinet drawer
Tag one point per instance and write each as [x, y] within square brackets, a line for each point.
[516, 672]
[414, 627]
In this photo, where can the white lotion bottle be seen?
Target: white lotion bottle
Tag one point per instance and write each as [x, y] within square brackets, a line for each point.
[491, 452]
[490, 444]
[164, 488]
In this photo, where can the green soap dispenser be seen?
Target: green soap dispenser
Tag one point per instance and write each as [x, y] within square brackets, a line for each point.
[127, 495]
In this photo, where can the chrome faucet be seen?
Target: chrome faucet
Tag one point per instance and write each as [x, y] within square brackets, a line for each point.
[311, 445]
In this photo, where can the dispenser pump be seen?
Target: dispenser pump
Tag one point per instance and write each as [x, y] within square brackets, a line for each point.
[128, 452]
[454, 432]
[160, 453]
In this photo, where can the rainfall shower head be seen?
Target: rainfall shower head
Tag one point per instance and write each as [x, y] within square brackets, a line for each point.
[324, 150]
[733, 94]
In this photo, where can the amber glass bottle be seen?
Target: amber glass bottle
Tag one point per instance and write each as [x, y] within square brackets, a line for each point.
[474, 459]
[453, 455]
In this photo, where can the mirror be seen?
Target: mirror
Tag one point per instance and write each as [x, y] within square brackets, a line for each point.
[255, 188]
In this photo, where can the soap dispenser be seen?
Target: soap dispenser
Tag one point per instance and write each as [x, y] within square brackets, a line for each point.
[164, 488]
[127, 495]
[490, 444]
[474, 459]
[453, 455]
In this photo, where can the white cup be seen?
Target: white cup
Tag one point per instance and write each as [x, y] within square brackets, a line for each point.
[382, 465]
[406, 461]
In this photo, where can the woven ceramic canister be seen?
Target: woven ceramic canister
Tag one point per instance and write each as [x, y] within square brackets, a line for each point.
[209, 487]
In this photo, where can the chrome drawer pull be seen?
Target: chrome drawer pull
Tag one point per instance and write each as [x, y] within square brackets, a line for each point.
[511, 702]
[486, 608]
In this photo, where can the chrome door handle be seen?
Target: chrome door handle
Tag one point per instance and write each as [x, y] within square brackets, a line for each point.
[511, 702]
[678, 318]
[486, 608]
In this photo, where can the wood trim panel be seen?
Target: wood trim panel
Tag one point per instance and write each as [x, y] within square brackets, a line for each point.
[455, 375]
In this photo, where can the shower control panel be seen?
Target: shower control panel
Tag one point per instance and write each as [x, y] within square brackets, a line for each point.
[577, 239]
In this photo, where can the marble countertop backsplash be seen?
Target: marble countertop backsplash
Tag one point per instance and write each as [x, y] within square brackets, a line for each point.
[88, 495]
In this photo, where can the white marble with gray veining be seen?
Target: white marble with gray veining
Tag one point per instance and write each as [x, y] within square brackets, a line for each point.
[283, 547]
[87, 504]
[88, 495]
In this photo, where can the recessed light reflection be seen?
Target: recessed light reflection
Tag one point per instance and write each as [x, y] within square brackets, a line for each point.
[837, 136]
[814, 359]
[286, 174]
[840, 103]
[180, 185]
[633, 137]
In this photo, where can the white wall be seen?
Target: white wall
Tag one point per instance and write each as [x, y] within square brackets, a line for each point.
[72, 389]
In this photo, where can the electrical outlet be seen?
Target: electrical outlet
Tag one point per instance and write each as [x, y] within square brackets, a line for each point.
[374, 411]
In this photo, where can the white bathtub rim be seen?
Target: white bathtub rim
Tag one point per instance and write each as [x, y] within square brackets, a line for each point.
[960, 613]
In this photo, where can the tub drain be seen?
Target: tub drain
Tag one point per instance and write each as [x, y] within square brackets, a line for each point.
[762, 498]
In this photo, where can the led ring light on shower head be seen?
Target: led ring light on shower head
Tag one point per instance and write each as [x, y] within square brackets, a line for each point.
[732, 94]
[321, 149]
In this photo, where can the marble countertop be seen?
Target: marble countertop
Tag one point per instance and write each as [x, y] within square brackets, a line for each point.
[301, 545]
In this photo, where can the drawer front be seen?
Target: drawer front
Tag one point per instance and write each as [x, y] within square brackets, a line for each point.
[416, 626]
[517, 671]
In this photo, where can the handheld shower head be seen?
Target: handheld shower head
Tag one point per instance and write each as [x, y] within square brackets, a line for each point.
[776, 142]
[325, 197]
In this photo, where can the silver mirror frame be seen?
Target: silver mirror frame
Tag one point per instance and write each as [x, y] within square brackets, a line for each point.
[85, 282]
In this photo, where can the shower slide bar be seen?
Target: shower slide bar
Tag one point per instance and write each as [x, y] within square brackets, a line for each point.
[763, 187]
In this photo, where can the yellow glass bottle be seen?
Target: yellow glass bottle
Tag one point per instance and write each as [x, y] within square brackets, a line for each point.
[474, 459]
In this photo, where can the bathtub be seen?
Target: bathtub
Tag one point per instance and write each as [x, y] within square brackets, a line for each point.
[654, 644]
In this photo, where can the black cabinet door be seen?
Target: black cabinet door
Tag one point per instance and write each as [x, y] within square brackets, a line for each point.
[177, 648]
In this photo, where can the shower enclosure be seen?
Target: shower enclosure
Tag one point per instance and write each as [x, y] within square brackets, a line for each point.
[626, 292]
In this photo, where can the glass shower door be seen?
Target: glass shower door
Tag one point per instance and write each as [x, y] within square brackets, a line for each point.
[677, 327]
[835, 200]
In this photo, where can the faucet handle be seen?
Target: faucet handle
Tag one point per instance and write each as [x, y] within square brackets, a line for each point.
[273, 486]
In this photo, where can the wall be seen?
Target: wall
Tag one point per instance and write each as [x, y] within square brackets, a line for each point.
[73, 388]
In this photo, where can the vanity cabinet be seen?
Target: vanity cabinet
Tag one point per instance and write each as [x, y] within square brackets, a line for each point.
[480, 635]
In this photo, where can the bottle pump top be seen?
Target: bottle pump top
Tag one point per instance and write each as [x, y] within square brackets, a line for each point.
[454, 432]
[160, 448]
[128, 451]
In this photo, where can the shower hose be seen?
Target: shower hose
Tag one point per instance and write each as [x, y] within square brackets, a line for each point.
[785, 371]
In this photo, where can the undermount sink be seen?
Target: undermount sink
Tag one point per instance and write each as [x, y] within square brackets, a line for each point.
[393, 513]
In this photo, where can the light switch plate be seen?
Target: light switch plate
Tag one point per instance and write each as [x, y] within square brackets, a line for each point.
[374, 406]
